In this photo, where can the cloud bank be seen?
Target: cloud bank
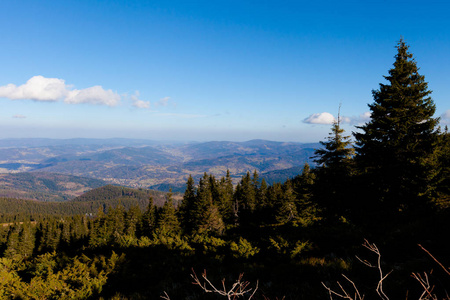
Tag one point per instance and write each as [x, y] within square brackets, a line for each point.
[40, 88]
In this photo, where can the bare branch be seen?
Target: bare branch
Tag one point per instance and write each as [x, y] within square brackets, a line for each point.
[438, 262]
[354, 286]
[238, 289]
[345, 295]
[427, 288]
[374, 249]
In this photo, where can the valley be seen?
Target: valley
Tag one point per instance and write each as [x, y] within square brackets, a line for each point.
[150, 164]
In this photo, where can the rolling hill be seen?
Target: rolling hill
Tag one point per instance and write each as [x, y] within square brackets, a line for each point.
[45, 186]
[148, 164]
[89, 203]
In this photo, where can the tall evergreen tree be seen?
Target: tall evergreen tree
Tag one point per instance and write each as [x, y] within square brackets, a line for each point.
[225, 200]
[337, 151]
[287, 211]
[187, 206]
[207, 215]
[115, 219]
[334, 172]
[394, 149]
[132, 219]
[12, 242]
[26, 240]
[261, 195]
[167, 217]
[246, 193]
[148, 223]
[303, 185]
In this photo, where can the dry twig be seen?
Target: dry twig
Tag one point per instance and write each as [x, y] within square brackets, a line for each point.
[165, 296]
[344, 294]
[374, 249]
[357, 296]
[427, 293]
[238, 289]
[438, 262]
[427, 288]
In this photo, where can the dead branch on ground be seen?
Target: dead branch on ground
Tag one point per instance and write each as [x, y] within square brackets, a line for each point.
[356, 295]
[238, 289]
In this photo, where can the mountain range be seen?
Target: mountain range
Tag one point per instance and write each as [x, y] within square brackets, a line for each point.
[151, 164]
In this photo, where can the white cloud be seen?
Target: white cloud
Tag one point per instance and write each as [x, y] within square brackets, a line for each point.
[139, 103]
[19, 117]
[327, 118]
[322, 118]
[163, 101]
[39, 88]
[93, 95]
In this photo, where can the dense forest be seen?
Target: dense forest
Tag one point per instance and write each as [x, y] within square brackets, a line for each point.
[21, 210]
[291, 240]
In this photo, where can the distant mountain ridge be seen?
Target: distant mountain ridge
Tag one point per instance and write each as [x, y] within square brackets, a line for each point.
[46, 142]
[144, 164]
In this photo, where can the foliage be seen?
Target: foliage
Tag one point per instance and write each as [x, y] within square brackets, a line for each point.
[396, 148]
[77, 278]
[243, 248]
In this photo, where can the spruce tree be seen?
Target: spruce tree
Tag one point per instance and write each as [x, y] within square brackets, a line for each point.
[246, 192]
[187, 205]
[225, 198]
[148, 223]
[303, 185]
[206, 212]
[287, 210]
[394, 149]
[12, 242]
[132, 220]
[334, 173]
[337, 152]
[167, 217]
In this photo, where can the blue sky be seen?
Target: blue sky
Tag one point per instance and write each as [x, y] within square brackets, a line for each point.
[208, 70]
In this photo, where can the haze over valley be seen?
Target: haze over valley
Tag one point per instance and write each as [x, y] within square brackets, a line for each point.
[150, 164]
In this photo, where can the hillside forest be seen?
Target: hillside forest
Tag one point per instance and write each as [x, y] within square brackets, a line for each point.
[369, 221]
